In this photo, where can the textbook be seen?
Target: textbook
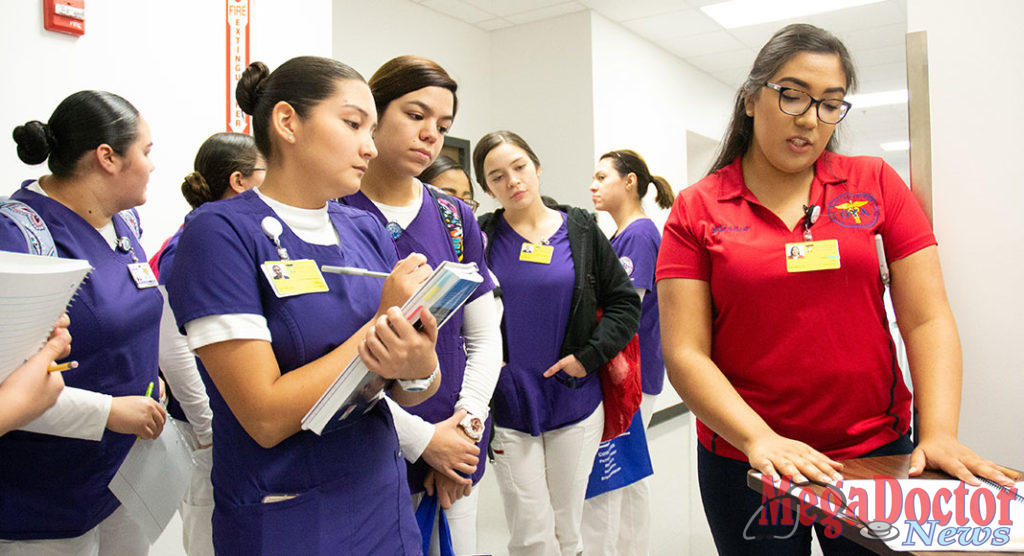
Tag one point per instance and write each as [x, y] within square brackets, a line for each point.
[356, 390]
[34, 291]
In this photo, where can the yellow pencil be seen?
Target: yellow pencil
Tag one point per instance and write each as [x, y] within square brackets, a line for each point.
[55, 368]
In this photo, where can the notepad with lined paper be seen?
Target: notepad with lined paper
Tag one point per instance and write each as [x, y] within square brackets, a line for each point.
[34, 291]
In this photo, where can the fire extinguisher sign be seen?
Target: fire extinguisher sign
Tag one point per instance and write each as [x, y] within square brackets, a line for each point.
[237, 13]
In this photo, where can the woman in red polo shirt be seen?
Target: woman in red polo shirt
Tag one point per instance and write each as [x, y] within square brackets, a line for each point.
[787, 362]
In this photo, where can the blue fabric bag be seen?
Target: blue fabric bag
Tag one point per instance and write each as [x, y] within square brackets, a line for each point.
[621, 461]
[425, 515]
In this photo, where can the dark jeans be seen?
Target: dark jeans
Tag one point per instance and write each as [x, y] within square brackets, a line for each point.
[729, 504]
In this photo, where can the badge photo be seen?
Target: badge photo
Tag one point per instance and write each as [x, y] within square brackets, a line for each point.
[288, 278]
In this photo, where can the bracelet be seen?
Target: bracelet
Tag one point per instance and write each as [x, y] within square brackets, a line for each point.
[420, 384]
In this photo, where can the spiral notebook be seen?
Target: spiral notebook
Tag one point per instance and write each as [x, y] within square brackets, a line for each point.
[356, 390]
[34, 291]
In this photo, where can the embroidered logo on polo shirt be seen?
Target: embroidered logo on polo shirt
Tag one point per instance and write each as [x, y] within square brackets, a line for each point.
[719, 229]
[853, 210]
[627, 265]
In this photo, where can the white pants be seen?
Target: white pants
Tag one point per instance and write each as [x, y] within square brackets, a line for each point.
[118, 535]
[461, 522]
[197, 508]
[619, 522]
[543, 480]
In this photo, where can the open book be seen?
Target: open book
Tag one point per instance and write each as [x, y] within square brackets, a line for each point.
[356, 389]
[34, 291]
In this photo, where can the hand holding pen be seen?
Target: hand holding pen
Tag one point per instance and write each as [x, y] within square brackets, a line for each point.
[139, 415]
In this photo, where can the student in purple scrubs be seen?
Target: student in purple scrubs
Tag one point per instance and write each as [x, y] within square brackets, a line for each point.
[30, 390]
[556, 269]
[269, 350]
[618, 522]
[53, 480]
[449, 176]
[227, 164]
[441, 437]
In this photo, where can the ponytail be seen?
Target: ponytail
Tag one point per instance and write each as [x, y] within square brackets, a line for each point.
[627, 162]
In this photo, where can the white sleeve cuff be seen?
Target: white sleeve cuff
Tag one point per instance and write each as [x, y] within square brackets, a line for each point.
[414, 433]
[78, 414]
[221, 328]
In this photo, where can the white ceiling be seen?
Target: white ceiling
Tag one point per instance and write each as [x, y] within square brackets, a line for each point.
[874, 34]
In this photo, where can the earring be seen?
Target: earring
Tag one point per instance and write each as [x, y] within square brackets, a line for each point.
[291, 138]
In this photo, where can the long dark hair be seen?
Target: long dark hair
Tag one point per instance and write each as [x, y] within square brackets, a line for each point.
[781, 48]
[627, 162]
[488, 143]
[80, 123]
[405, 74]
[302, 82]
[221, 155]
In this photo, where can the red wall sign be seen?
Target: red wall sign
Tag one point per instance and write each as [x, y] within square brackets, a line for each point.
[237, 13]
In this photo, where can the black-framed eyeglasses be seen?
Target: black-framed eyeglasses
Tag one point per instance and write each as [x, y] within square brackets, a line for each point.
[796, 103]
[473, 204]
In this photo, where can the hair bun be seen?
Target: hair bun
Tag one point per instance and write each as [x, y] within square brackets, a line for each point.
[250, 86]
[35, 142]
[195, 190]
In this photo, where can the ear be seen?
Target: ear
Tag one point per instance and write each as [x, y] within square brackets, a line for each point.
[748, 105]
[235, 182]
[631, 180]
[538, 170]
[107, 159]
[285, 121]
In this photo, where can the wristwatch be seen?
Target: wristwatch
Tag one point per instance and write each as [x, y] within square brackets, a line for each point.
[419, 384]
[473, 426]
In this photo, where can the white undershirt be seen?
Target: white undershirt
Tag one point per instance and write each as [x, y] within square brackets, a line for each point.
[403, 216]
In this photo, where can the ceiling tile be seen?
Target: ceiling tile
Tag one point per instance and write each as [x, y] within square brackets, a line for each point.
[686, 46]
[618, 10]
[545, 13]
[874, 37]
[493, 24]
[458, 9]
[672, 24]
[866, 57]
[733, 78]
[721, 61]
[505, 8]
[883, 77]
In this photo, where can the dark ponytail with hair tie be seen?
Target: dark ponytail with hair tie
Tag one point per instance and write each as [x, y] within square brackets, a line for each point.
[627, 162]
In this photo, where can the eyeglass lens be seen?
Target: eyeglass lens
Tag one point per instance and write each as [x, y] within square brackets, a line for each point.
[796, 103]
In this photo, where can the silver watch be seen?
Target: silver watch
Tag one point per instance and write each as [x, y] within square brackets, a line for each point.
[419, 384]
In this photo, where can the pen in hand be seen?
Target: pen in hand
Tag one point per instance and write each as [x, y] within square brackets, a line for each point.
[353, 271]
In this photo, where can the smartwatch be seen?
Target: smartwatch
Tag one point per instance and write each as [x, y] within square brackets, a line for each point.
[473, 426]
[419, 384]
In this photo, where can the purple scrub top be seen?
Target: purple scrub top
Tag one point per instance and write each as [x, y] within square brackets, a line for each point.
[637, 248]
[537, 299]
[53, 487]
[351, 482]
[428, 235]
